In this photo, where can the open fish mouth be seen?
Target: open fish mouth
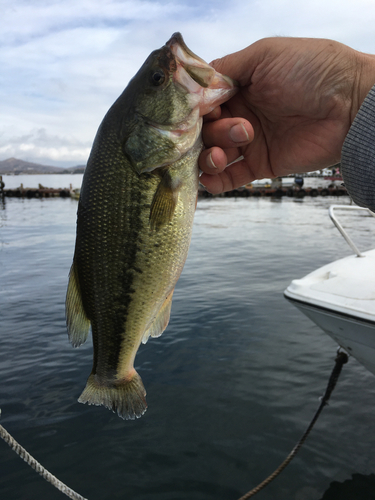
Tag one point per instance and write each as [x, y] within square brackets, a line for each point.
[206, 87]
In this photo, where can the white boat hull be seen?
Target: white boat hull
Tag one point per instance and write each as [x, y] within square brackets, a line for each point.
[356, 336]
[340, 298]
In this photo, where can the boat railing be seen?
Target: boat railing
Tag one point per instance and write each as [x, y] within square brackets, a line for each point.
[343, 232]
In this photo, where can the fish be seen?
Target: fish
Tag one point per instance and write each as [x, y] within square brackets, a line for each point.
[135, 217]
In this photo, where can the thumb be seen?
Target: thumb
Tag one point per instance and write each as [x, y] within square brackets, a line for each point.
[238, 65]
[241, 65]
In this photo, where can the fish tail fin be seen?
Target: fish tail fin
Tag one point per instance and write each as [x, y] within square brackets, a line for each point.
[127, 398]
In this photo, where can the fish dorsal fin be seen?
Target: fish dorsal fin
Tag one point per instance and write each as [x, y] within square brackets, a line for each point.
[76, 320]
[161, 321]
[164, 201]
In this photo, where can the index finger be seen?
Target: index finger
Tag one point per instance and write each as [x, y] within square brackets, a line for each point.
[215, 114]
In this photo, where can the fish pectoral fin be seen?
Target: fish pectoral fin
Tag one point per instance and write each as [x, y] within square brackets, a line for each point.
[161, 321]
[76, 320]
[164, 201]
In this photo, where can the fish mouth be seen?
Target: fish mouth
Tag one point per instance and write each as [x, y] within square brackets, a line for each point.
[206, 86]
[203, 87]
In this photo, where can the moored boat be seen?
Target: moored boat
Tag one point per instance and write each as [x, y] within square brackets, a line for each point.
[340, 297]
[75, 193]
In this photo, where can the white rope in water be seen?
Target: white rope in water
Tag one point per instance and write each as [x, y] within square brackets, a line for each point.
[4, 434]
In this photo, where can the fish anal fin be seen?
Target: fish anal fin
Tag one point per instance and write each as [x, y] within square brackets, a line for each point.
[76, 320]
[164, 202]
[161, 321]
[126, 397]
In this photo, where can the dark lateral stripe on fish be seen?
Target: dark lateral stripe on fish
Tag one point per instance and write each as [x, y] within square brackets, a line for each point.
[114, 216]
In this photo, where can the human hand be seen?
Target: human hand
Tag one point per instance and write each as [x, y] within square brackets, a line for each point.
[297, 100]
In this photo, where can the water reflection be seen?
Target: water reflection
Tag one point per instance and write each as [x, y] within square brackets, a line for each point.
[360, 486]
[2, 197]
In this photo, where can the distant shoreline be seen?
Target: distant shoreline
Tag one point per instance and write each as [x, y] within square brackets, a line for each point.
[14, 166]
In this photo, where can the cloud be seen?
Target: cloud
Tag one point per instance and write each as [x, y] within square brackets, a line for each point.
[39, 146]
[27, 20]
[64, 62]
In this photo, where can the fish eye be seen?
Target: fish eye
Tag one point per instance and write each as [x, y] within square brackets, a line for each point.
[157, 77]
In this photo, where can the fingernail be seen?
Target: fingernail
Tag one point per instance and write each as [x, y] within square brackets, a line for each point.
[210, 161]
[238, 133]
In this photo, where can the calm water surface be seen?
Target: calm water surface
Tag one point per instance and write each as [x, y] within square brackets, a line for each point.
[232, 383]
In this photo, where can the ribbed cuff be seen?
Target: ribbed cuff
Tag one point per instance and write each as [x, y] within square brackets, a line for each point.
[358, 155]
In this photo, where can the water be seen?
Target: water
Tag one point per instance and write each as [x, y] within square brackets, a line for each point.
[231, 385]
[54, 181]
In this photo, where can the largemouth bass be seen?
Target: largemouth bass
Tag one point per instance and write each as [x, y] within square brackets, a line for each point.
[135, 217]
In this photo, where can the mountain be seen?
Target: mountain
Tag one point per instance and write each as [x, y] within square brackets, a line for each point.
[15, 166]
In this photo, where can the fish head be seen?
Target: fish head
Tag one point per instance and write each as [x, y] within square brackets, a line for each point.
[169, 95]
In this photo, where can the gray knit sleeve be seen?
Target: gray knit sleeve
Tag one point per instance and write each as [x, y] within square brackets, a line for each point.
[358, 155]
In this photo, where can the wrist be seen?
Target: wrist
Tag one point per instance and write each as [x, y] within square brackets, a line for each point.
[365, 81]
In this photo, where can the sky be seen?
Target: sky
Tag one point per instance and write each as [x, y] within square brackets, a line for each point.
[64, 62]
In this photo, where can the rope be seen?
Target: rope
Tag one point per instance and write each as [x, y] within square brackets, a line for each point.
[37, 466]
[340, 360]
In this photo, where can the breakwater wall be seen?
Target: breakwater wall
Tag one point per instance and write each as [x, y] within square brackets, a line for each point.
[278, 193]
[242, 192]
[36, 193]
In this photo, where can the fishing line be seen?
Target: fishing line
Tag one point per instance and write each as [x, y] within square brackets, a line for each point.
[4, 434]
[340, 360]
